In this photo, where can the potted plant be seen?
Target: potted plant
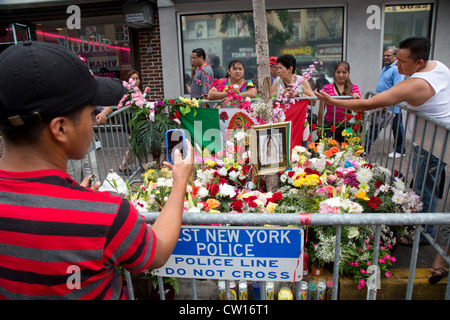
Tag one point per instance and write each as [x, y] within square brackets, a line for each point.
[149, 121]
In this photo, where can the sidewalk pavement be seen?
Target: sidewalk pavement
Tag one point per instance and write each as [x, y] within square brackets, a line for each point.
[394, 288]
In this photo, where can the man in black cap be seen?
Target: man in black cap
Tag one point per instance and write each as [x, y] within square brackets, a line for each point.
[59, 239]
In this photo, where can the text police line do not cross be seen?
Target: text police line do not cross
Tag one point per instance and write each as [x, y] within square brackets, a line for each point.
[251, 253]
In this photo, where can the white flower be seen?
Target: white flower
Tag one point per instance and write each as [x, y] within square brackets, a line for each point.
[364, 175]
[353, 231]
[233, 175]
[223, 171]
[202, 192]
[399, 184]
[168, 183]
[227, 190]
[240, 135]
[160, 182]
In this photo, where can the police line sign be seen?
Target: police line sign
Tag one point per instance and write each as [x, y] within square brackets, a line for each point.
[251, 253]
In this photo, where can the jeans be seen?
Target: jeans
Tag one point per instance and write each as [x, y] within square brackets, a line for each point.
[427, 178]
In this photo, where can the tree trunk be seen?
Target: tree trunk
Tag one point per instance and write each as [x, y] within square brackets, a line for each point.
[262, 51]
[262, 60]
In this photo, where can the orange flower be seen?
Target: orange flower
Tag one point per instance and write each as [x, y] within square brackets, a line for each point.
[333, 142]
[335, 150]
[213, 203]
[311, 145]
[344, 145]
[328, 153]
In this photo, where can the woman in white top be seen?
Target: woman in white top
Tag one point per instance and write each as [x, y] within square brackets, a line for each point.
[290, 86]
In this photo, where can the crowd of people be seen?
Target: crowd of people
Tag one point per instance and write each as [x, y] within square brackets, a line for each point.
[49, 223]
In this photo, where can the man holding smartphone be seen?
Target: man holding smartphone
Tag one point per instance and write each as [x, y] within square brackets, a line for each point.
[60, 239]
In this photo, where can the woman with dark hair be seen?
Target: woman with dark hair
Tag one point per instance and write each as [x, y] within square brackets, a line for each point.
[342, 86]
[126, 117]
[233, 82]
[289, 85]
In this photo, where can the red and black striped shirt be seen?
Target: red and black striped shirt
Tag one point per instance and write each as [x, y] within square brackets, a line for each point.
[59, 240]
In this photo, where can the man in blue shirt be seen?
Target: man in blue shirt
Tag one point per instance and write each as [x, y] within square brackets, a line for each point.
[388, 78]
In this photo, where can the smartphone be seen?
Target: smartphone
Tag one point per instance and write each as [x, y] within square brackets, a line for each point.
[175, 139]
[91, 180]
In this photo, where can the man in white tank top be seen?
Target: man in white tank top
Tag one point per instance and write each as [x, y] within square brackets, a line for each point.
[427, 90]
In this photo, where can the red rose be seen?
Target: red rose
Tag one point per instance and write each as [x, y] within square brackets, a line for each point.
[214, 189]
[358, 116]
[348, 116]
[277, 196]
[291, 173]
[171, 101]
[252, 204]
[333, 128]
[237, 205]
[223, 180]
[355, 126]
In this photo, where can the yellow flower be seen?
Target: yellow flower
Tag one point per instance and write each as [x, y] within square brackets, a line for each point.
[210, 163]
[271, 207]
[303, 159]
[361, 194]
[214, 211]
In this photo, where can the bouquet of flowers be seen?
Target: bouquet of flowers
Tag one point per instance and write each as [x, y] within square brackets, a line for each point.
[326, 177]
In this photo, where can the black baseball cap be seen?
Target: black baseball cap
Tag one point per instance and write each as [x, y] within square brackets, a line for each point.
[40, 81]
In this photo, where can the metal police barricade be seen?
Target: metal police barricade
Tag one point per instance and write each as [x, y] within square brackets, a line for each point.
[302, 219]
[426, 150]
[109, 150]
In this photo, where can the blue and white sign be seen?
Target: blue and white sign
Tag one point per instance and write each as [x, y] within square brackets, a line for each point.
[134, 17]
[251, 253]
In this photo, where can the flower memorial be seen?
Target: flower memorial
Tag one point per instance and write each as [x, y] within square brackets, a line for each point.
[327, 177]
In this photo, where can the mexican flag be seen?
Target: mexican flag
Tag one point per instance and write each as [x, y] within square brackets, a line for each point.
[211, 128]
[203, 129]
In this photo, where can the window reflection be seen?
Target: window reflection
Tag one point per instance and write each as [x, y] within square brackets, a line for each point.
[307, 34]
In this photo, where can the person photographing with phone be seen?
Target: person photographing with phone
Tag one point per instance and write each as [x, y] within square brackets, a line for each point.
[60, 239]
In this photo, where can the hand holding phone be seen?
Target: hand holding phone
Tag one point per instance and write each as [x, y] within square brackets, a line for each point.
[175, 140]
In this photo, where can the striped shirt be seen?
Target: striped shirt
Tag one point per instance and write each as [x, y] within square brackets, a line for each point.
[59, 240]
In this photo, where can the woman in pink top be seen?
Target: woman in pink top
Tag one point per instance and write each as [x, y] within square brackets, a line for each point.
[342, 86]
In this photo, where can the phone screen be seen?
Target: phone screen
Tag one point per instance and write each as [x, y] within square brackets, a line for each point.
[174, 140]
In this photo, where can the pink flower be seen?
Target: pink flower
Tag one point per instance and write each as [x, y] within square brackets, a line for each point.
[393, 259]
[388, 274]
[361, 284]
[381, 260]
[363, 271]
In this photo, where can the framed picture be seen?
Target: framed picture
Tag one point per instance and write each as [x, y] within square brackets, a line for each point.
[270, 147]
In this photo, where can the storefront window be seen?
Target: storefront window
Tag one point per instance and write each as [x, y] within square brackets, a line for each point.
[103, 42]
[402, 21]
[307, 34]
